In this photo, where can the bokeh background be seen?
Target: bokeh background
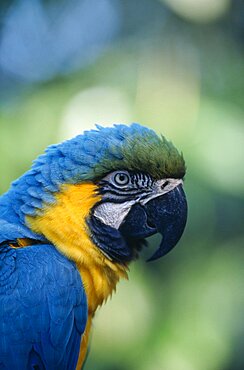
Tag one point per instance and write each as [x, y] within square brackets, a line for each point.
[176, 66]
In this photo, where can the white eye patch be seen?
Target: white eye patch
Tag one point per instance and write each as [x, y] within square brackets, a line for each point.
[113, 214]
[162, 187]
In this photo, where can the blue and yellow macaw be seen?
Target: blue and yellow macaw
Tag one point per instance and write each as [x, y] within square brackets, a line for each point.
[70, 226]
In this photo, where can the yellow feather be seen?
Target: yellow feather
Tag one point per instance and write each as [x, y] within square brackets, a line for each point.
[64, 224]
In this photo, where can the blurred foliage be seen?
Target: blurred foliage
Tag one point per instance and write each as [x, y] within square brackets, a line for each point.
[177, 67]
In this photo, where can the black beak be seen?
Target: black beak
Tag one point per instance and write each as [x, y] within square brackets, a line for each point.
[166, 214]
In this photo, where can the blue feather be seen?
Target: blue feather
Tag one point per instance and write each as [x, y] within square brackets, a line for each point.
[38, 317]
[43, 310]
[70, 162]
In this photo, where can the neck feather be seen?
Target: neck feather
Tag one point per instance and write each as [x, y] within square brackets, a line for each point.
[64, 224]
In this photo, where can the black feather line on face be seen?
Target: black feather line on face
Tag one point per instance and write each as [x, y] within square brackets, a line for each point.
[112, 243]
[139, 184]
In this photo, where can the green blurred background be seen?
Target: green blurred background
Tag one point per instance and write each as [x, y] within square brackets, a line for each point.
[176, 66]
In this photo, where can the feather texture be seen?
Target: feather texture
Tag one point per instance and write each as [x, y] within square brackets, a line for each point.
[44, 310]
[44, 306]
[88, 157]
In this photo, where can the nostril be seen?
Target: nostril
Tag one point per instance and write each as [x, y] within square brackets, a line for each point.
[165, 184]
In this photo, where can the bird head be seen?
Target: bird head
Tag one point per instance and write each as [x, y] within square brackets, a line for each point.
[116, 185]
[137, 206]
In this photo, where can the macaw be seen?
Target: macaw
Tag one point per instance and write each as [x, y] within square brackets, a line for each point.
[70, 226]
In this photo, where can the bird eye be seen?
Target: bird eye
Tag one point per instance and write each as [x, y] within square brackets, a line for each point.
[121, 179]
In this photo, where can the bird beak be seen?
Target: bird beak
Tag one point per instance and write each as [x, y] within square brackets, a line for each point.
[165, 214]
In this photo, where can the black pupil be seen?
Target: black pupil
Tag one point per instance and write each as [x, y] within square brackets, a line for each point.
[121, 177]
